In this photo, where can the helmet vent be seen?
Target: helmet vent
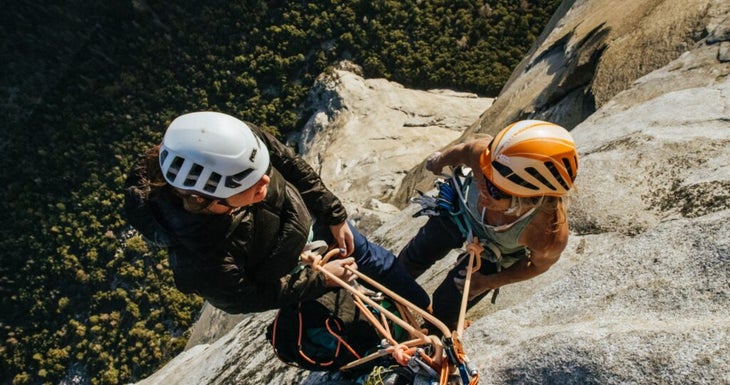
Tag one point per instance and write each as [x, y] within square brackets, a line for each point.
[163, 156]
[535, 174]
[212, 184]
[514, 178]
[568, 166]
[232, 181]
[553, 170]
[193, 175]
[174, 168]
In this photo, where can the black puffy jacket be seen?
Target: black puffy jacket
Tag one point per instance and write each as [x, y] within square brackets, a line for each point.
[246, 261]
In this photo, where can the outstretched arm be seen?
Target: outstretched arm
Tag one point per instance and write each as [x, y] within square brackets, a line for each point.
[466, 153]
[227, 287]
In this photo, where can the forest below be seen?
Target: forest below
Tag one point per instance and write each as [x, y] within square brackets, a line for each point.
[86, 88]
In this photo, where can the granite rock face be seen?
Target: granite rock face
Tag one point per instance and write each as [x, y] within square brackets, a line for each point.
[591, 51]
[365, 134]
[641, 293]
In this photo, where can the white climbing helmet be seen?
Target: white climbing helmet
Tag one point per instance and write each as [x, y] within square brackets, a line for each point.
[212, 153]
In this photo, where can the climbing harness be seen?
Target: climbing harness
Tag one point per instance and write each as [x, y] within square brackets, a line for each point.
[456, 201]
[451, 202]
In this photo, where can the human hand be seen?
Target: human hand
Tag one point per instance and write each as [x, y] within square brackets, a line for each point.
[345, 239]
[337, 268]
[479, 284]
[433, 163]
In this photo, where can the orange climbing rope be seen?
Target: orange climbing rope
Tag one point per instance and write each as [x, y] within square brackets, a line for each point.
[448, 357]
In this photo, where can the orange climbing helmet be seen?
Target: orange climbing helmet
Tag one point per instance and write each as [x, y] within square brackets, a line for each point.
[531, 158]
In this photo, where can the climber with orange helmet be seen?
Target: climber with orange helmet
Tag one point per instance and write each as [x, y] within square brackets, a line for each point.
[512, 200]
[236, 208]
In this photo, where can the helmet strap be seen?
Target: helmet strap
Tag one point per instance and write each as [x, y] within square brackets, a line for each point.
[519, 205]
[514, 206]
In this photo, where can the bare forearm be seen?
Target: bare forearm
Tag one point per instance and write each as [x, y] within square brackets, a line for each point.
[520, 271]
[463, 153]
[453, 156]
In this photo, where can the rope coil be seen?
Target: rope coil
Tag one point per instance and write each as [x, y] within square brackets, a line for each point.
[448, 356]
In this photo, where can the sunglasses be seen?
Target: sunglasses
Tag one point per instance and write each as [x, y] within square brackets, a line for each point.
[494, 192]
[200, 202]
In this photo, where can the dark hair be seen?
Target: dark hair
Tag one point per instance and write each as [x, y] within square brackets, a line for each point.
[152, 164]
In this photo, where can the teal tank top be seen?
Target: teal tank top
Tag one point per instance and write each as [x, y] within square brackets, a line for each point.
[501, 243]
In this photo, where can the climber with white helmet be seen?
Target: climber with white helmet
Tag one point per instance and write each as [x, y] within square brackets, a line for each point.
[512, 200]
[235, 208]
